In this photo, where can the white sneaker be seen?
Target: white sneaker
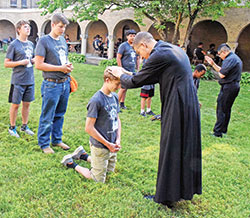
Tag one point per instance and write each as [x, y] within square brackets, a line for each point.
[78, 152]
[13, 132]
[67, 159]
[27, 130]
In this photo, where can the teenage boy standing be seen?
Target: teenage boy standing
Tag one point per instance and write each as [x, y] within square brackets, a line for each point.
[127, 58]
[20, 57]
[51, 58]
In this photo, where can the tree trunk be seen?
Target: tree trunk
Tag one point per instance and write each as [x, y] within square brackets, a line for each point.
[192, 18]
[176, 29]
[162, 34]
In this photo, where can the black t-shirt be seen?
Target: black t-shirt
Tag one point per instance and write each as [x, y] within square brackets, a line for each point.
[231, 68]
[199, 54]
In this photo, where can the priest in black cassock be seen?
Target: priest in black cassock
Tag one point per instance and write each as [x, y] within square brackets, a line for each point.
[179, 169]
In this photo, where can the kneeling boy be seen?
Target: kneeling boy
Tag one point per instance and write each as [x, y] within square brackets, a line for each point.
[104, 127]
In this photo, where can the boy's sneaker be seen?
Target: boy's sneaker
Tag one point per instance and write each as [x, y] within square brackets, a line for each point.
[13, 132]
[123, 107]
[150, 113]
[67, 159]
[27, 130]
[143, 114]
[78, 152]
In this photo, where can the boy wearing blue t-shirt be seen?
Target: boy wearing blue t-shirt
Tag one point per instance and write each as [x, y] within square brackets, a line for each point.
[127, 58]
[52, 59]
[20, 57]
[104, 127]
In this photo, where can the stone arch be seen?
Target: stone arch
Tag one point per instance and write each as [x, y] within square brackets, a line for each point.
[208, 32]
[33, 31]
[7, 29]
[170, 31]
[95, 28]
[73, 29]
[122, 26]
[243, 49]
[46, 27]
[154, 32]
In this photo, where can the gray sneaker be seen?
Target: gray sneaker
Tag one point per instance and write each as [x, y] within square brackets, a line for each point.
[67, 159]
[78, 152]
[13, 132]
[27, 130]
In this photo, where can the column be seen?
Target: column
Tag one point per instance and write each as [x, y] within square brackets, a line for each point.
[111, 47]
[233, 45]
[84, 44]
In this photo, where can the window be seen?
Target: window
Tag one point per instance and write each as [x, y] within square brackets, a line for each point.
[24, 3]
[13, 3]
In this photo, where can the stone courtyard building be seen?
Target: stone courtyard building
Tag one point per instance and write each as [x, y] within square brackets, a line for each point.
[233, 28]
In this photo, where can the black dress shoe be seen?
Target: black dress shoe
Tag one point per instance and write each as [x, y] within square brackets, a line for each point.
[217, 135]
[169, 204]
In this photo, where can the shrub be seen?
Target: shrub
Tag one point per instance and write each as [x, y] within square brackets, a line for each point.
[111, 62]
[245, 79]
[76, 58]
[209, 75]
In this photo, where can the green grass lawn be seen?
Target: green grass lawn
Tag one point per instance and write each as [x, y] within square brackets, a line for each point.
[33, 184]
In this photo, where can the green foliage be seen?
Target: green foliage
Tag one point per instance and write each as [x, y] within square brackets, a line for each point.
[35, 185]
[208, 75]
[76, 58]
[160, 12]
[106, 63]
[245, 79]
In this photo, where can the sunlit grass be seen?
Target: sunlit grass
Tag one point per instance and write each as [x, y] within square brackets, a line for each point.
[36, 185]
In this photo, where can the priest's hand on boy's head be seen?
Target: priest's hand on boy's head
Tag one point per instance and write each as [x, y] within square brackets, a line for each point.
[116, 71]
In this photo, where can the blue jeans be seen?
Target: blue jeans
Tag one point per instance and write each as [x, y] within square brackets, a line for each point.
[54, 105]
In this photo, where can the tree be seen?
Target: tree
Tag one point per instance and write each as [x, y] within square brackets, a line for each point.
[160, 11]
[207, 8]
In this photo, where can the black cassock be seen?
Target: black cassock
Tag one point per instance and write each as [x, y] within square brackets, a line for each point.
[179, 170]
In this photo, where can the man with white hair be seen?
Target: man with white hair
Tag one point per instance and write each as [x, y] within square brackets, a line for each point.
[230, 75]
[179, 169]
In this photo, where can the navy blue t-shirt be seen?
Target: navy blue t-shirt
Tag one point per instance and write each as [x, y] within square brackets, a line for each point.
[17, 51]
[55, 52]
[129, 56]
[105, 109]
[231, 68]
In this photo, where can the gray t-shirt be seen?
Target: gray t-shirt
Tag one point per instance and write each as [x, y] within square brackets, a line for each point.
[129, 56]
[55, 52]
[17, 51]
[105, 109]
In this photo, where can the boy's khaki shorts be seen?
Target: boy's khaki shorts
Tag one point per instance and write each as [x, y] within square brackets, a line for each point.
[102, 161]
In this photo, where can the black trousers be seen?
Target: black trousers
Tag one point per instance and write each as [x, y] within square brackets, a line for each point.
[225, 100]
